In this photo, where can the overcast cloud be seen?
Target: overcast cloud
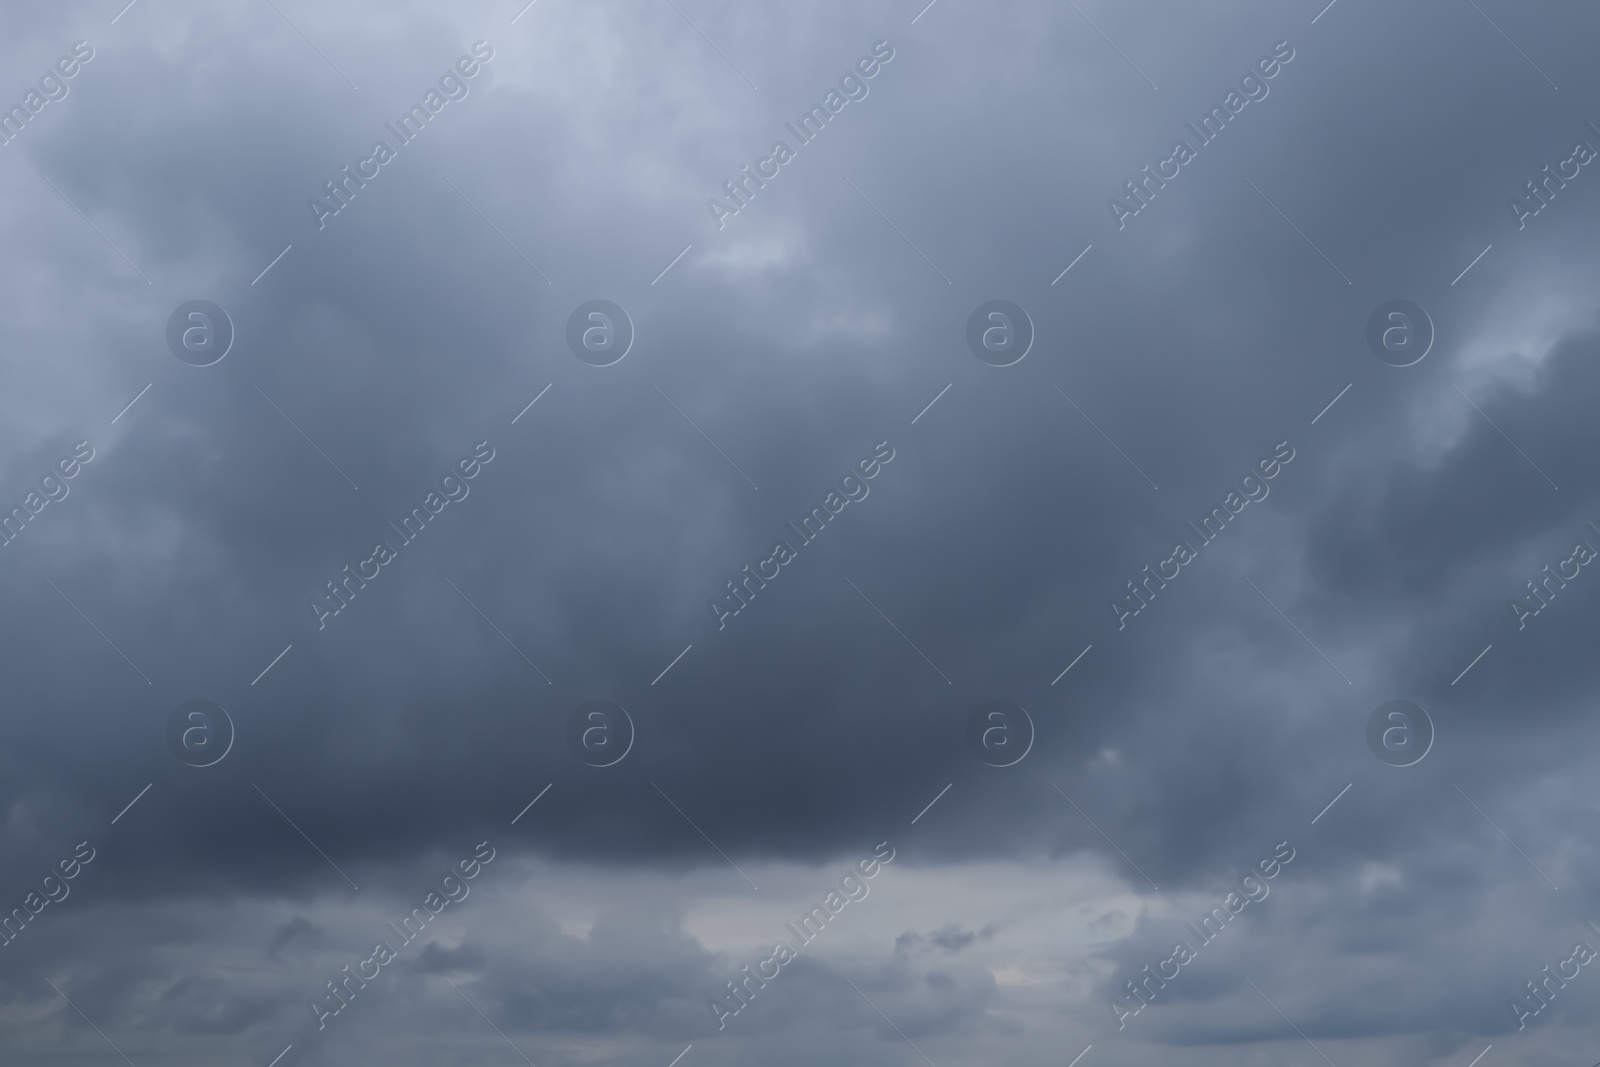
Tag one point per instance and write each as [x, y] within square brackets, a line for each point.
[568, 453]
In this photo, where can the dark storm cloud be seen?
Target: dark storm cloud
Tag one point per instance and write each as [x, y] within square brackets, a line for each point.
[819, 321]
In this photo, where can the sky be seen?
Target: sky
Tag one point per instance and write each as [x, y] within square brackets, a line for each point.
[894, 533]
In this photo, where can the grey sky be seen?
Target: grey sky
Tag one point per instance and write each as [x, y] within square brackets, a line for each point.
[411, 332]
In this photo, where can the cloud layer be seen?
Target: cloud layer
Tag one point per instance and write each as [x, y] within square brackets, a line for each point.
[389, 695]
